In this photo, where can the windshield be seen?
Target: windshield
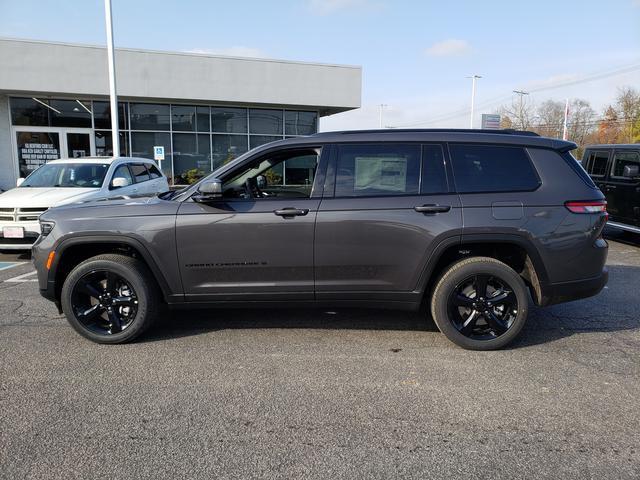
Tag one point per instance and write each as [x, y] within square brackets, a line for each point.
[80, 175]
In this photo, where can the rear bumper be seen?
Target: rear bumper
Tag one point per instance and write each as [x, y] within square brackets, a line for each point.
[575, 290]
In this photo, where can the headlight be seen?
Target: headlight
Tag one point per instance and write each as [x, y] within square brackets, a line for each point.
[46, 227]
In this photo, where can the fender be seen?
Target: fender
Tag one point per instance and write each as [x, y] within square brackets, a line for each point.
[169, 296]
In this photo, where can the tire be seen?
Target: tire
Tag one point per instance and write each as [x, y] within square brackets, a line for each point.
[478, 322]
[137, 295]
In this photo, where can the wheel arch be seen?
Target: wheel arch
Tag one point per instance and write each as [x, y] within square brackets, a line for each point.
[72, 251]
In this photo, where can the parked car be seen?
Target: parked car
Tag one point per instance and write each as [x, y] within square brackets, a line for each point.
[615, 169]
[61, 182]
[466, 223]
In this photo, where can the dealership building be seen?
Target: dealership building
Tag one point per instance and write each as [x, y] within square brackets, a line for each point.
[203, 109]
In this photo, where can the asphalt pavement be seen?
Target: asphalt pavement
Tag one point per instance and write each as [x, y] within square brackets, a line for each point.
[322, 394]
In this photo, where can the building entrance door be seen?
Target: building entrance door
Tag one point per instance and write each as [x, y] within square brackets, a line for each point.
[36, 146]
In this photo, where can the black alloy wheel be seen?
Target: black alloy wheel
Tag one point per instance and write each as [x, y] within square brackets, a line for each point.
[104, 302]
[483, 307]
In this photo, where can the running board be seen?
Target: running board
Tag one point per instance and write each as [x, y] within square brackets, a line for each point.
[623, 226]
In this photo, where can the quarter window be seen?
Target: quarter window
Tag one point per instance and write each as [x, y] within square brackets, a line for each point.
[491, 168]
[597, 163]
[621, 160]
[377, 170]
[154, 172]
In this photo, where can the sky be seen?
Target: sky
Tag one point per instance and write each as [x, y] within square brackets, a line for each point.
[415, 55]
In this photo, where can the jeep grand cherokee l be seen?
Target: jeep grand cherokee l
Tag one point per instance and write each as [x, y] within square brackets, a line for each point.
[468, 224]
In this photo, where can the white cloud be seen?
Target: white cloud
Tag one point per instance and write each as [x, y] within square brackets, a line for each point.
[327, 7]
[448, 48]
[237, 51]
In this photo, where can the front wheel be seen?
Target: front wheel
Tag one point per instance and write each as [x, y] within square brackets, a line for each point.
[480, 304]
[110, 298]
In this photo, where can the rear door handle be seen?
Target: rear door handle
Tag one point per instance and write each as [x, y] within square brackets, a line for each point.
[432, 208]
[291, 212]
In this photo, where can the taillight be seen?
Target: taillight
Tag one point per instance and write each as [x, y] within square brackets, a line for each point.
[597, 206]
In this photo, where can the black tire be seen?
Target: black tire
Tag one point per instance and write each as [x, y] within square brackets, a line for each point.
[472, 321]
[123, 272]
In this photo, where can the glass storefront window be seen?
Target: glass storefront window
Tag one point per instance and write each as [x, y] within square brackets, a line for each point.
[227, 147]
[70, 113]
[228, 120]
[191, 157]
[102, 115]
[203, 121]
[26, 111]
[104, 145]
[300, 123]
[142, 144]
[36, 149]
[266, 122]
[149, 116]
[183, 118]
[257, 140]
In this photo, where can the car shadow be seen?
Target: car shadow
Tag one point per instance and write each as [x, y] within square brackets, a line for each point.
[614, 309]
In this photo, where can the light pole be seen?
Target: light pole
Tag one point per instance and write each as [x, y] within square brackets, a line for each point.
[113, 99]
[381, 107]
[473, 97]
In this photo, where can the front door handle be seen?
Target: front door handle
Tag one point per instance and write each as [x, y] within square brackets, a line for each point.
[432, 208]
[291, 212]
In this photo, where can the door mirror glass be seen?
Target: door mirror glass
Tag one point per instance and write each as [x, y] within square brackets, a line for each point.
[120, 182]
[19, 181]
[631, 171]
[261, 181]
[209, 190]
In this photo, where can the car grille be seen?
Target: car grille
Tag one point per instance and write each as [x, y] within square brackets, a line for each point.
[28, 214]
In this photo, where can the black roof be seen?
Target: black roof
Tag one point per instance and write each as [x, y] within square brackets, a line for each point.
[622, 146]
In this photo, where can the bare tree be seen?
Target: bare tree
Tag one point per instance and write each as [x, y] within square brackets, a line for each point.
[581, 120]
[550, 119]
[520, 113]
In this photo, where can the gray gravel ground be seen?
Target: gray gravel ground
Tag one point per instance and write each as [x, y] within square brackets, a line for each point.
[312, 394]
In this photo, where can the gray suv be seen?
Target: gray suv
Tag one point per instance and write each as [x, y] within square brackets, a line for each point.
[467, 223]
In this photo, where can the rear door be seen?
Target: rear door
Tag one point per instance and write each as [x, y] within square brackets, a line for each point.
[623, 194]
[385, 207]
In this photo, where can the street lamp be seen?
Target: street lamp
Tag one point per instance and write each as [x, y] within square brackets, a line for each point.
[473, 97]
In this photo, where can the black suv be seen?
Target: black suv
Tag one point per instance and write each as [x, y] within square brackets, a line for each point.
[467, 223]
[616, 171]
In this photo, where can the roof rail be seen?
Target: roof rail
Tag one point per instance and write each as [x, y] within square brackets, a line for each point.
[505, 131]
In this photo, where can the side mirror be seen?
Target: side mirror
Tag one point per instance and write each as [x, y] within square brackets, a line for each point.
[208, 191]
[631, 171]
[119, 182]
[19, 181]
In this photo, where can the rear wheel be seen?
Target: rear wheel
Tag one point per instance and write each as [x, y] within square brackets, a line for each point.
[110, 298]
[480, 304]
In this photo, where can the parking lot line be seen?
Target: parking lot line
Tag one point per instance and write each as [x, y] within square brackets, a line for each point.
[8, 265]
[23, 278]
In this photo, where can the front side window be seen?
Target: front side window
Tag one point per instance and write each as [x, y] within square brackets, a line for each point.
[621, 160]
[289, 175]
[492, 168]
[377, 170]
[122, 172]
[597, 163]
[79, 175]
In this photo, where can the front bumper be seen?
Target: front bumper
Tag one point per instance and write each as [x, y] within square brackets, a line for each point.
[575, 290]
[31, 233]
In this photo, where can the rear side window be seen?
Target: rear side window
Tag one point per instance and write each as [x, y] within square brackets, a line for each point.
[153, 171]
[621, 160]
[597, 163]
[578, 168]
[378, 170]
[492, 168]
[139, 172]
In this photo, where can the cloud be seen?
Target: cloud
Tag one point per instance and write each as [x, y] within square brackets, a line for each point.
[327, 7]
[237, 51]
[449, 48]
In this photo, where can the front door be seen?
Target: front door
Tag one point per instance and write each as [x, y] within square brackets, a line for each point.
[35, 146]
[623, 192]
[256, 243]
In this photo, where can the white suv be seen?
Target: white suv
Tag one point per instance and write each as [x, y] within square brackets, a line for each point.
[61, 182]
